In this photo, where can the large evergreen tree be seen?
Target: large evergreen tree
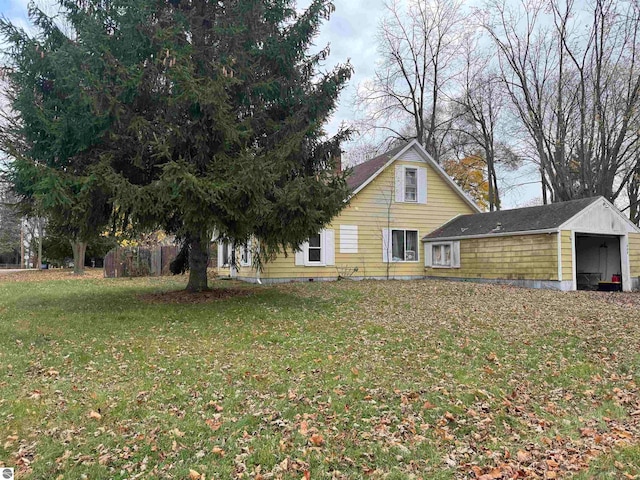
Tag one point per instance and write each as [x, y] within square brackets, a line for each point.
[55, 133]
[219, 130]
[202, 117]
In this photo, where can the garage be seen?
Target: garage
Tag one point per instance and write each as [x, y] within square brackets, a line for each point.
[584, 244]
[598, 262]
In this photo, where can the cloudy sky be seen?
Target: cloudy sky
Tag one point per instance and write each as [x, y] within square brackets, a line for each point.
[351, 34]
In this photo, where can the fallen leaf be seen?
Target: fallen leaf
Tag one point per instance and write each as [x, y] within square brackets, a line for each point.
[317, 439]
[304, 428]
[218, 451]
[193, 475]
[213, 424]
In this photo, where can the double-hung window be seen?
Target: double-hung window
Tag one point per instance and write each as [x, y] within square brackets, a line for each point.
[410, 184]
[314, 251]
[318, 250]
[225, 254]
[404, 245]
[441, 255]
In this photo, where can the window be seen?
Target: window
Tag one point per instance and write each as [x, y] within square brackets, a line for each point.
[314, 251]
[224, 254]
[318, 250]
[245, 254]
[410, 184]
[441, 255]
[404, 245]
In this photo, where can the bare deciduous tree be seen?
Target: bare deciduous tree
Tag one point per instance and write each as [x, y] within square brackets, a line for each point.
[576, 91]
[420, 47]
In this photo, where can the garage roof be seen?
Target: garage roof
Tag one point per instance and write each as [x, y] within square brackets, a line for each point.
[543, 217]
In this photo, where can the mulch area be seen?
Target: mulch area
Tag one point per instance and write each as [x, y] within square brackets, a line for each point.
[184, 297]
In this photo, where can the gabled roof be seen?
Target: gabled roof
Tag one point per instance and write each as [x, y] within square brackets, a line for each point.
[364, 173]
[539, 218]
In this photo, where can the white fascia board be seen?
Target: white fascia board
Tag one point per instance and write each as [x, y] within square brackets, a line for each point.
[567, 225]
[489, 235]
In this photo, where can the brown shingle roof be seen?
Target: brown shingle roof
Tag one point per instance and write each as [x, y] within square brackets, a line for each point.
[363, 171]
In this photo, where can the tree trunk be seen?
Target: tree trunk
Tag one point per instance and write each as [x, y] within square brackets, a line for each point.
[198, 262]
[79, 249]
[39, 243]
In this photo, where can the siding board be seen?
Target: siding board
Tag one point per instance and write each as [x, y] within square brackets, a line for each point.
[521, 257]
[634, 254]
[567, 253]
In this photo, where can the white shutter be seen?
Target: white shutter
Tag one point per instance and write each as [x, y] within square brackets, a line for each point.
[300, 256]
[219, 254]
[455, 254]
[329, 247]
[428, 255]
[386, 245]
[348, 239]
[422, 185]
[399, 183]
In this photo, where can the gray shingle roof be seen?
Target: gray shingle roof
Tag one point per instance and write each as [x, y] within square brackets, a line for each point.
[363, 171]
[544, 217]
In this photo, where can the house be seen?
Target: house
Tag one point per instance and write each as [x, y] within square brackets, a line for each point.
[580, 244]
[407, 219]
[397, 198]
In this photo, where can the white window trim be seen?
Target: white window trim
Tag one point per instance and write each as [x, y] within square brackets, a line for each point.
[404, 183]
[305, 249]
[405, 230]
[432, 245]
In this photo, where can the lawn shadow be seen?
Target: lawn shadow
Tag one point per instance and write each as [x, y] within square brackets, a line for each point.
[110, 306]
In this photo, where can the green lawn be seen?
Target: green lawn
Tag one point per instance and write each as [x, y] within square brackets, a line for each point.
[100, 379]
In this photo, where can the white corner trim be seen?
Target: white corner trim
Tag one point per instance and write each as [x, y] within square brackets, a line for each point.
[574, 263]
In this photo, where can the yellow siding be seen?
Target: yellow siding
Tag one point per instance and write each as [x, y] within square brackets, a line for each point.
[372, 210]
[567, 256]
[634, 254]
[519, 257]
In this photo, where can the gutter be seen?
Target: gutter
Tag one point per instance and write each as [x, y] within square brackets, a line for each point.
[488, 235]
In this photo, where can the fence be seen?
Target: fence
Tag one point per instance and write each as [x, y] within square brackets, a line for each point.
[139, 261]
